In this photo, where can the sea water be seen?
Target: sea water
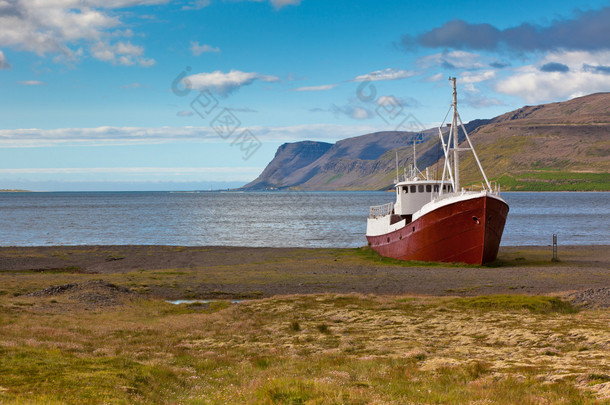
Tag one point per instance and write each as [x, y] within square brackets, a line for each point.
[273, 219]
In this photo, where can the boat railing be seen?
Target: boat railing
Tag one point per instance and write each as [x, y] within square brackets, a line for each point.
[476, 187]
[495, 187]
[381, 210]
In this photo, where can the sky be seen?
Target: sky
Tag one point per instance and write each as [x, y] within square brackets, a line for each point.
[199, 94]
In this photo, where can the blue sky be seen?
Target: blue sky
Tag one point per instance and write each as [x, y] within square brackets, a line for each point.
[157, 94]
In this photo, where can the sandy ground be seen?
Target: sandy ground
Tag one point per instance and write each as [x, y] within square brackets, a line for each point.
[239, 272]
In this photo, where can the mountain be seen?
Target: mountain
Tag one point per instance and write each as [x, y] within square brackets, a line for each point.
[346, 164]
[562, 145]
[556, 146]
[289, 158]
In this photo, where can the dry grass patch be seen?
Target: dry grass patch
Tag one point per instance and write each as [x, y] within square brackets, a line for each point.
[304, 349]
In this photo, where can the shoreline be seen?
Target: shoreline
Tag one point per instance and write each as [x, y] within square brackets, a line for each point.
[212, 272]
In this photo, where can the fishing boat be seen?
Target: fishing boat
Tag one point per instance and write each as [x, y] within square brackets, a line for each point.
[437, 219]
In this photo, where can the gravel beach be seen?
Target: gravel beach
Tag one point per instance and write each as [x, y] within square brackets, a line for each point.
[242, 272]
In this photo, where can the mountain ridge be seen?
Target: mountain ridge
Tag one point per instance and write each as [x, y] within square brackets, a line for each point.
[519, 148]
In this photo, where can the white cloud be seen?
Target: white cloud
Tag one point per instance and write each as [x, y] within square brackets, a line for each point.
[225, 83]
[476, 77]
[64, 27]
[576, 59]
[197, 5]
[102, 136]
[242, 109]
[120, 53]
[471, 95]
[3, 62]
[147, 174]
[386, 74]
[534, 86]
[33, 137]
[322, 87]
[185, 113]
[361, 113]
[397, 101]
[281, 3]
[354, 112]
[435, 78]
[197, 49]
[132, 170]
[31, 83]
[388, 100]
[277, 4]
[327, 132]
[478, 100]
[146, 62]
[127, 48]
[134, 85]
[452, 60]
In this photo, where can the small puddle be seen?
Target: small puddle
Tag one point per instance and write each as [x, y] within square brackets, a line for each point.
[178, 302]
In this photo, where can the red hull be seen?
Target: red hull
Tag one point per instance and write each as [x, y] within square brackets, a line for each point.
[466, 231]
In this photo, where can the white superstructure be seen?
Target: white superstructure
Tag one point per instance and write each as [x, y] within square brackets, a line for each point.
[412, 193]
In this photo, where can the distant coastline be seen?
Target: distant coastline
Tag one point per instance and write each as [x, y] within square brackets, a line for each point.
[14, 191]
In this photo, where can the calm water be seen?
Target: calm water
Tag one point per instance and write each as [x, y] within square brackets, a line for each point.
[277, 219]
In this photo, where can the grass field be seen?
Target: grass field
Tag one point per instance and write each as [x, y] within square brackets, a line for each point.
[304, 349]
[551, 180]
[112, 337]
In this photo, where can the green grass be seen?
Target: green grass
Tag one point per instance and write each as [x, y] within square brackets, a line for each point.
[533, 304]
[370, 255]
[59, 376]
[336, 176]
[552, 180]
[367, 254]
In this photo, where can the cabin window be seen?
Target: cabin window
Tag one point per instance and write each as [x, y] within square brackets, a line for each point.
[436, 188]
[428, 188]
[421, 188]
[413, 189]
[406, 189]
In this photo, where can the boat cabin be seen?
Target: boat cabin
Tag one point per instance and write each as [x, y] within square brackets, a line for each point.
[413, 194]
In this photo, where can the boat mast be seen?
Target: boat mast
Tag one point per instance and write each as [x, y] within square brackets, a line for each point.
[455, 130]
[397, 177]
[414, 156]
[448, 147]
